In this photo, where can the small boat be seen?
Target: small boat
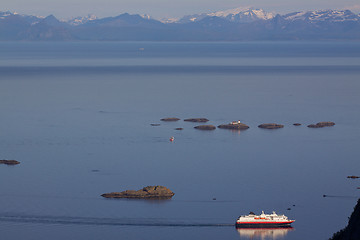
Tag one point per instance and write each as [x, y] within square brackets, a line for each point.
[263, 221]
[171, 139]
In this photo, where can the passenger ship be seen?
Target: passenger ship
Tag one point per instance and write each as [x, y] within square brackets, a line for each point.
[263, 220]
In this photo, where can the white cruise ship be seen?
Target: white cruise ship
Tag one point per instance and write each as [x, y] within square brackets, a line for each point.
[263, 220]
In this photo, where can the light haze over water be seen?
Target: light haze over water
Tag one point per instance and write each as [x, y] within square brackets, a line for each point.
[77, 116]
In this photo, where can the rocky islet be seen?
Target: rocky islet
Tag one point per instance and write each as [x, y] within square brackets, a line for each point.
[170, 119]
[205, 127]
[237, 126]
[149, 192]
[321, 125]
[9, 162]
[196, 120]
[270, 126]
[353, 177]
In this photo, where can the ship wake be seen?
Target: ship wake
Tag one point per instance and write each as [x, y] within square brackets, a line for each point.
[141, 222]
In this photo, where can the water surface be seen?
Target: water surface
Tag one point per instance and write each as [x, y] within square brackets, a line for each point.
[78, 115]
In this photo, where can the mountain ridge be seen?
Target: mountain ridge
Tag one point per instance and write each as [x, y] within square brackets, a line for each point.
[239, 24]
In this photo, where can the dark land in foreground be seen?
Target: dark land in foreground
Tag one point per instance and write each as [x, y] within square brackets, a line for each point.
[352, 230]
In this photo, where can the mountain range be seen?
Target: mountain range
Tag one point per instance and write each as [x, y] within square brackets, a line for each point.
[239, 24]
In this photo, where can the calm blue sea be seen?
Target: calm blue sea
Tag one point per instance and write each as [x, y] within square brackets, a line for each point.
[77, 115]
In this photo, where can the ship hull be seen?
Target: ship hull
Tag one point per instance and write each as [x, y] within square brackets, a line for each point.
[264, 225]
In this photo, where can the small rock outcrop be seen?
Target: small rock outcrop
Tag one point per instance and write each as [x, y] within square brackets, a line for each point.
[205, 127]
[321, 125]
[196, 120]
[352, 230]
[9, 162]
[171, 119]
[237, 126]
[149, 192]
[270, 126]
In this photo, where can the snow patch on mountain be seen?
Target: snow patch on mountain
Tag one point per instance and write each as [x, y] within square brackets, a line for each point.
[169, 20]
[3, 15]
[145, 16]
[6, 14]
[81, 20]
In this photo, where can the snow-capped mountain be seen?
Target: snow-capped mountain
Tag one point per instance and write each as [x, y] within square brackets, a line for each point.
[82, 20]
[323, 15]
[244, 15]
[239, 15]
[28, 18]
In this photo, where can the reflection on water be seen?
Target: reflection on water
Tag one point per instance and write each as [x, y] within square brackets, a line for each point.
[263, 233]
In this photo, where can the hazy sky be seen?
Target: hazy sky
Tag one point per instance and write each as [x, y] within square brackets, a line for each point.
[164, 8]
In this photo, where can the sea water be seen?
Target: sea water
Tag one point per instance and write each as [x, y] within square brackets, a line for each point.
[78, 116]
